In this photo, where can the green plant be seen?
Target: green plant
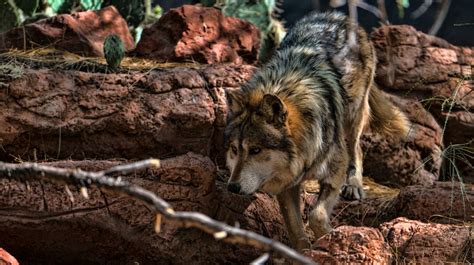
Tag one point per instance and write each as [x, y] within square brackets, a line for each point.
[453, 155]
[60, 6]
[91, 4]
[10, 71]
[114, 51]
[9, 14]
[28, 6]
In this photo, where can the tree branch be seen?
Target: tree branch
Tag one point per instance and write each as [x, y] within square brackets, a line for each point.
[102, 180]
[421, 9]
[440, 17]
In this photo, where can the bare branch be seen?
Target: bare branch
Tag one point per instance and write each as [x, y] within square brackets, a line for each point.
[383, 10]
[370, 8]
[440, 17]
[351, 35]
[84, 179]
[260, 260]
[421, 9]
[127, 168]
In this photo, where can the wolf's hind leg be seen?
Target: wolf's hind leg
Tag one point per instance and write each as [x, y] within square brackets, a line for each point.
[289, 201]
[353, 189]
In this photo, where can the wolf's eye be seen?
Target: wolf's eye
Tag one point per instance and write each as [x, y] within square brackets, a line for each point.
[234, 149]
[254, 150]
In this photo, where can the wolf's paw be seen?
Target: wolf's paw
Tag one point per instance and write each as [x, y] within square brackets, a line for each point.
[303, 244]
[352, 192]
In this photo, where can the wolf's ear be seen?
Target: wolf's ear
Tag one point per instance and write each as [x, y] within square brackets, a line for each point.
[274, 110]
[235, 101]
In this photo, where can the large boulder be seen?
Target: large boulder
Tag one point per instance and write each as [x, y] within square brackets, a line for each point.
[402, 162]
[425, 68]
[43, 223]
[82, 32]
[424, 243]
[202, 34]
[48, 113]
[352, 245]
[443, 202]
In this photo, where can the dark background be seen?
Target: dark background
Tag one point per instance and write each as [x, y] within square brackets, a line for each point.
[460, 11]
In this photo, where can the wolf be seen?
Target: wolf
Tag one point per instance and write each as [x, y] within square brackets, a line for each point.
[300, 117]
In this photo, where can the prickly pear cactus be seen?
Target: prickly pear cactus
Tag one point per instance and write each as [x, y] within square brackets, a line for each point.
[114, 51]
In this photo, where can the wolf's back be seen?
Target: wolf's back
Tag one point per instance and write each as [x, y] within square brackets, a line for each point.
[325, 32]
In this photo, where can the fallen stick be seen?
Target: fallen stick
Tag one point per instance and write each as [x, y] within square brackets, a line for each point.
[104, 180]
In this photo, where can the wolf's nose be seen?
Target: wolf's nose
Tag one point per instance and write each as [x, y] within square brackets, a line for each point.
[234, 187]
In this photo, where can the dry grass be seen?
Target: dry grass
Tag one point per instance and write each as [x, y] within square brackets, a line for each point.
[372, 189]
[50, 57]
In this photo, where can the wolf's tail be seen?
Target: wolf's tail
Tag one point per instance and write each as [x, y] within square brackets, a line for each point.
[386, 118]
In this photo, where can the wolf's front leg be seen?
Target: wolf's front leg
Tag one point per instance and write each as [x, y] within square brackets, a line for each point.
[289, 201]
[329, 188]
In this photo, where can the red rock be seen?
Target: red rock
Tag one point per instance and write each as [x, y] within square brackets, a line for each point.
[6, 258]
[82, 33]
[399, 162]
[165, 112]
[428, 69]
[445, 202]
[120, 230]
[201, 34]
[348, 244]
[427, 243]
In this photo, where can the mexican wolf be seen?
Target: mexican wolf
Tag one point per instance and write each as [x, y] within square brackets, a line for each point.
[301, 116]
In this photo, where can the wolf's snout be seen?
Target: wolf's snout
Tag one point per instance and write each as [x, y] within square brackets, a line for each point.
[234, 187]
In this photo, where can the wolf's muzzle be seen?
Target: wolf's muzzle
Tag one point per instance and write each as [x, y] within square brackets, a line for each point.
[234, 187]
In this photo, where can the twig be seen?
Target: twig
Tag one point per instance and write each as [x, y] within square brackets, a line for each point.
[383, 11]
[440, 16]
[351, 35]
[372, 9]
[260, 260]
[421, 9]
[100, 179]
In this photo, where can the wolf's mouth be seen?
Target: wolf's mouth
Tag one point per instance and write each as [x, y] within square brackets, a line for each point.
[246, 186]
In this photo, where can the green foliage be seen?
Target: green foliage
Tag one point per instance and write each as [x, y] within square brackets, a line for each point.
[261, 13]
[402, 4]
[133, 11]
[9, 15]
[114, 51]
[10, 71]
[28, 6]
[91, 4]
[158, 11]
[60, 6]
[66, 6]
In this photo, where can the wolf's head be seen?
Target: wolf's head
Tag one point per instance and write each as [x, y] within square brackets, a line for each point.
[259, 148]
